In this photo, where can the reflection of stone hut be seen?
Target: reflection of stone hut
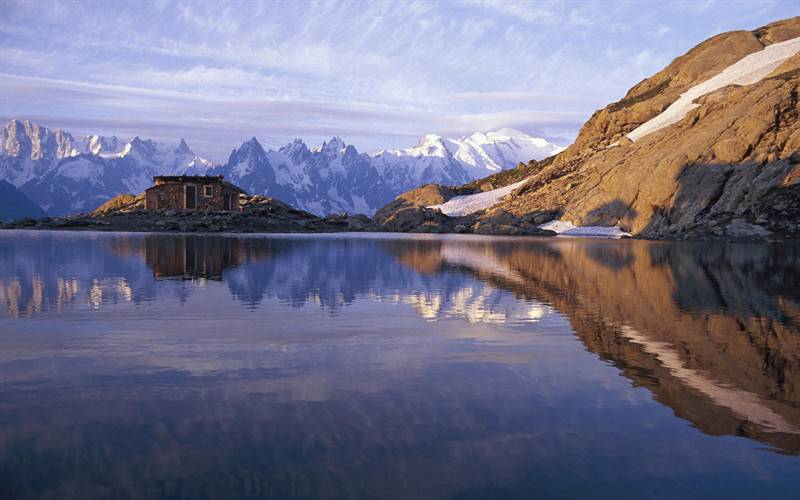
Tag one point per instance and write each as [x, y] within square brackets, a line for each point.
[191, 257]
[192, 192]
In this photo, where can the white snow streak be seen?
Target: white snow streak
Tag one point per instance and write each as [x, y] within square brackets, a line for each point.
[471, 203]
[746, 71]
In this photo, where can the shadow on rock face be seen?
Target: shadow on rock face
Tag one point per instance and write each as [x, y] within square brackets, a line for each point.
[730, 201]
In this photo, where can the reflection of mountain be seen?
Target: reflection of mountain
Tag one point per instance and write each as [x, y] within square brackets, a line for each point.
[711, 330]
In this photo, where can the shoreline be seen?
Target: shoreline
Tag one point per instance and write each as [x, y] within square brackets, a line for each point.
[99, 228]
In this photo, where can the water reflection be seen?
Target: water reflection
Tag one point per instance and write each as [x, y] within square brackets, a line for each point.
[294, 366]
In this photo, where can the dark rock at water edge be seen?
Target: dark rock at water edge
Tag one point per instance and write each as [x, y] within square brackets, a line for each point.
[259, 215]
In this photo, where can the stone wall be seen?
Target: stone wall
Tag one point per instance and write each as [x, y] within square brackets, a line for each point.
[172, 195]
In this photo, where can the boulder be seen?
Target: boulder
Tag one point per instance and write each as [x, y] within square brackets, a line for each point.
[120, 204]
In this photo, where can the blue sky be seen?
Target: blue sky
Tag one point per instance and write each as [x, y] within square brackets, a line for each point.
[378, 74]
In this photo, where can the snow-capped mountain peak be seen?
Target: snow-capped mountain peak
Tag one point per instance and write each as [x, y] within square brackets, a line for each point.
[430, 145]
[296, 150]
[144, 147]
[29, 140]
[482, 152]
[251, 150]
[500, 147]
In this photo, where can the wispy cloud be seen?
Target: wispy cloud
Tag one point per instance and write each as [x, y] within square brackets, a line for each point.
[381, 73]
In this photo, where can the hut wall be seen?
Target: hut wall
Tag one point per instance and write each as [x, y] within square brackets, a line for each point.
[233, 197]
[172, 195]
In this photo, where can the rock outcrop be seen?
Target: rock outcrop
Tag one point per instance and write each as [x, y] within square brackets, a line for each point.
[120, 204]
[728, 169]
[409, 213]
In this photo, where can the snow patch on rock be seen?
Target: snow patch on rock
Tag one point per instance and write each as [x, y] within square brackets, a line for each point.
[746, 71]
[471, 203]
[566, 228]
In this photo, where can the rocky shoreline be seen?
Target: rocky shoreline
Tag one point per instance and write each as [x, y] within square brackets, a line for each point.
[259, 215]
[407, 214]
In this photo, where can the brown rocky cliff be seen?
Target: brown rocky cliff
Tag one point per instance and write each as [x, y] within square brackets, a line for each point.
[729, 169]
[721, 170]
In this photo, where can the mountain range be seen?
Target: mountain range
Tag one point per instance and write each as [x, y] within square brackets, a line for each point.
[63, 174]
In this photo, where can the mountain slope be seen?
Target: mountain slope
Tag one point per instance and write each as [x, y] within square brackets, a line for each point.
[28, 151]
[722, 162]
[15, 205]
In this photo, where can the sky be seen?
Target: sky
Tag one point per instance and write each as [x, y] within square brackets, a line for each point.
[378, 74]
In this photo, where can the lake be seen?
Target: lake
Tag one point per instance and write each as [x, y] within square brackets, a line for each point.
[384, 366]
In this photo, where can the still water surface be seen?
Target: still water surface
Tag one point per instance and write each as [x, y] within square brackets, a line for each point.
[173, 366]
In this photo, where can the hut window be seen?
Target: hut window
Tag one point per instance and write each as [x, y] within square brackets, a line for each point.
[208, 191]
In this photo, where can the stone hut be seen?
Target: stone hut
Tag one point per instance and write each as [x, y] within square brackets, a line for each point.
[192, 192]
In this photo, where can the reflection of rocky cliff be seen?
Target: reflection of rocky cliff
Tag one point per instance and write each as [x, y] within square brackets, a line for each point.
[713, 331]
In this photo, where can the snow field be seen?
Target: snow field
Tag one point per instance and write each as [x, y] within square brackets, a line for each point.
[566, 228]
